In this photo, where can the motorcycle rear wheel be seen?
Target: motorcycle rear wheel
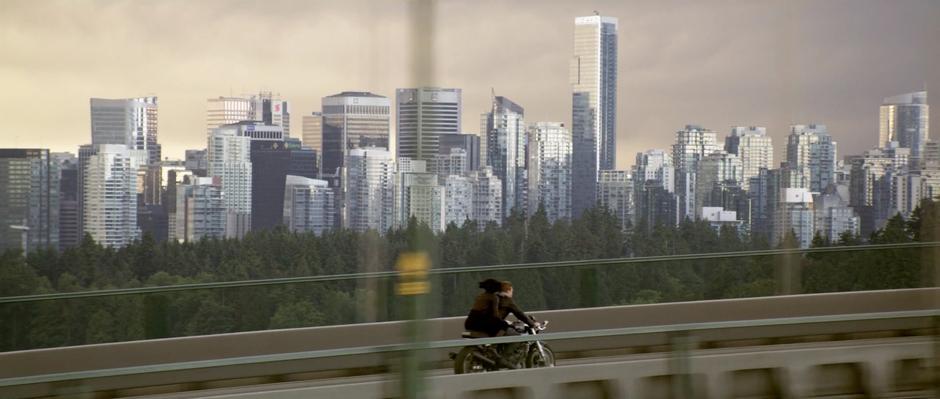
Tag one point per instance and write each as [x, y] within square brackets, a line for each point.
[465, 362]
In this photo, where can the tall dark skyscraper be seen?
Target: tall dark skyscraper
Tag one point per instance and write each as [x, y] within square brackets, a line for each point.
[29, 199]
[594, 106]
[271, 162]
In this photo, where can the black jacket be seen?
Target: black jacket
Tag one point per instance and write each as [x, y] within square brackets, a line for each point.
[489, 312]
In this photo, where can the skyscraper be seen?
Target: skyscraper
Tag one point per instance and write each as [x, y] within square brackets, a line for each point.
[834, 216]
[131, 122]
[692, 145]
[368, 183]
[615, 193]
[423, 199]
[229, 159]
[549, 169]
[29, 199]
[352, 120]
[263, 107]
[309, 205]
[422, 115]
[505, 133]
[271, 163]
[753, 147]
[811, 156]
[653, 187]
[110, 191]
[594, 105]
[906, 119]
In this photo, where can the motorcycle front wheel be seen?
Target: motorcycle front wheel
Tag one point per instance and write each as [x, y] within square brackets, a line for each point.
[466, 362]
[535, 359]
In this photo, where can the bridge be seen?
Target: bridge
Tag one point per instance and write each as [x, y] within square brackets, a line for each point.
[883, 343]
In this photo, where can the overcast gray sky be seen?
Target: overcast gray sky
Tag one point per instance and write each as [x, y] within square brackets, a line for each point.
[716, 64]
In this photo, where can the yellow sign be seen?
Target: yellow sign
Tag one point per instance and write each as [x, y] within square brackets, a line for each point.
[413, 288]
[413, 272]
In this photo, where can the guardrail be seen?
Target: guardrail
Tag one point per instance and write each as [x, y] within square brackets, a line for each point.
[459, 270]
[443, 344]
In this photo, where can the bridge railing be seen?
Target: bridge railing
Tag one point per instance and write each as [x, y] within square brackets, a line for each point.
[679, 330]
[72, 318]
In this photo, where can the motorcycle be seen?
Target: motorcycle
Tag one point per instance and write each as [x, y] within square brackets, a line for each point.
[486, 357]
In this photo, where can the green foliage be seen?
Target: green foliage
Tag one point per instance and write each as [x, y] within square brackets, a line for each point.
[279, 253]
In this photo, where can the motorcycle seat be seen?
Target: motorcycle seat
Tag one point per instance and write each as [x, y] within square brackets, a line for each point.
[474, 334]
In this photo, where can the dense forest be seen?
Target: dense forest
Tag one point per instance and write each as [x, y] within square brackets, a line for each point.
[280, 253]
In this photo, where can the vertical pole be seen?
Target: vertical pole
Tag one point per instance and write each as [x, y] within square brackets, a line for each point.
[680, 365]
[412, 287]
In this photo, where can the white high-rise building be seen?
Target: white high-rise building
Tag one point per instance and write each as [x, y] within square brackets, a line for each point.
[309, 205]
[615, 192]
[594, 105]
[754, 147]
[264, 107]
[487, 197]
[131, 122]
[905, 119]
[423, 199]
[795, 213]
[811, 157]
[549, 169]
[505, 132]
[692, 145]
[110, 191]
[422, 115]
[458, 200]
[229, 159]
[200, 210]
[369, 181]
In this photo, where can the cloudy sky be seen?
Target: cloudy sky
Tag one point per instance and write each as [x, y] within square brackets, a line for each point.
[715, 64]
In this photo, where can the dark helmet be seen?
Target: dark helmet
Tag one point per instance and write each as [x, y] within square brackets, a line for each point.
[491, 285]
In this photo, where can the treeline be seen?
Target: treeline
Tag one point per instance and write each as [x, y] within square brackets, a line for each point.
[280, 253]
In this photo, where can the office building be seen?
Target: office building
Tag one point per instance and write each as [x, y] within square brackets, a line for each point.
[352, 120]
[29, 199]
[487, 197]
[265, 107]
[458, 200]
[199, 210]
[834, 215]
[905, 119]
[795, 214]
[131, 122]
[716, 171]
[423, 114]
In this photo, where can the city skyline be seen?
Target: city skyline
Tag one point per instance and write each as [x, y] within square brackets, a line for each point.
[792, 71]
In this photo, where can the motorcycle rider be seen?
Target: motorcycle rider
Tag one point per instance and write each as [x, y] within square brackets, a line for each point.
[490, 310]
